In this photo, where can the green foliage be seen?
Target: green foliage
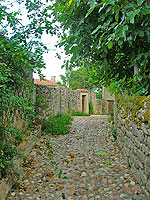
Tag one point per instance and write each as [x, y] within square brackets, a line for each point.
[10, 137]
[100, 153]
[40, 101]
[77, 113]
[78, 79]
[13, 105]
[134, 106]
[98, 95]
[7, 152]
[114, 132]
[138, 86]
[109, 38]
[49, 148]
[107, 163]
[111, 117]
[91, 110]
[129, 164]
[57, 125]
[20, 54]
[60, 173]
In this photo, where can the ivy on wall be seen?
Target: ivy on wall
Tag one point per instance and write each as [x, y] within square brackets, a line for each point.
[21, 54]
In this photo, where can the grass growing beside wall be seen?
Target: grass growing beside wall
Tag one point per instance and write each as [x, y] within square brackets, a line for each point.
[91, 109]
[57, 125]
[112, 121]
[77, 113]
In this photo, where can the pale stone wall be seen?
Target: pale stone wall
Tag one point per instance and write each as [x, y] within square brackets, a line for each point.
[65, 100]
[133, 136]
[100, 106]
[103, 107]
[55, 99]
[106, 94]
[86, 102]
[98, 110]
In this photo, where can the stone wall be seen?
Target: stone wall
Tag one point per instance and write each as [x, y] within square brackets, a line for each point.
[103, 107]
[132, 117]
[100, 106]
[92, 99]
[106, 94]
[98, 110]
[51, 100]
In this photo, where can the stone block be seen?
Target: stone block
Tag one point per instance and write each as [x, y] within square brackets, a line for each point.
[141, 156]
[137, 143]
[147, 165]
[145, 149]
[146, 193]
[143, 177]
[148, 142]
[137, 175]
[141, 137]
[134, 130]
[138, 164]
[145, 129]
[148, 186]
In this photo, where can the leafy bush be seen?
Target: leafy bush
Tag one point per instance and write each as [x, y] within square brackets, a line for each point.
[114, 132]
[7, 152]
[91, 110]
[57, 125]
[8, 147]
[98, 95]
[77, 113]
[111, 117]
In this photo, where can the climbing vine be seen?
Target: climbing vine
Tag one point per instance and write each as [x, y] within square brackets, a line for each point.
[22, 24]
[15, 99]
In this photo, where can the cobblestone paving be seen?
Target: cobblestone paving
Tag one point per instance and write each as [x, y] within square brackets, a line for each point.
[86, 165]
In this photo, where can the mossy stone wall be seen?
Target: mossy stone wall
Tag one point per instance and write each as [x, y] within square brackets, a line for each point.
[132, 118]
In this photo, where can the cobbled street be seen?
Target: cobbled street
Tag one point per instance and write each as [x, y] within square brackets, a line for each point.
[85, 164]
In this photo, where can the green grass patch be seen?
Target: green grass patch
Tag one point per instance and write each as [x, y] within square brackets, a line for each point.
[57, 125]
[77, 113]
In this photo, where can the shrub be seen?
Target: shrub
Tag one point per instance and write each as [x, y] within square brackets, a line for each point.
[77, 113]
[91, 110]
[114, 132]
[10, 137]
[57, 125]
[111, 117]
[98, 95]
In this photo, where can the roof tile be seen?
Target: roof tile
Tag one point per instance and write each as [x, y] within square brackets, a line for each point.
[83, 90]
[44, 82]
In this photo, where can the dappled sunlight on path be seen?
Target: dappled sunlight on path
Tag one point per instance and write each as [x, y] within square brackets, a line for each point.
[86, 165]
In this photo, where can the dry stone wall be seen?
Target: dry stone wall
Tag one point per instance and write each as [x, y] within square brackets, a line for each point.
[133, 136]
[92, 99]
[51, 100]
[102, 107]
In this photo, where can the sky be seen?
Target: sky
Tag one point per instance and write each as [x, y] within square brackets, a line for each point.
[53, 64]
